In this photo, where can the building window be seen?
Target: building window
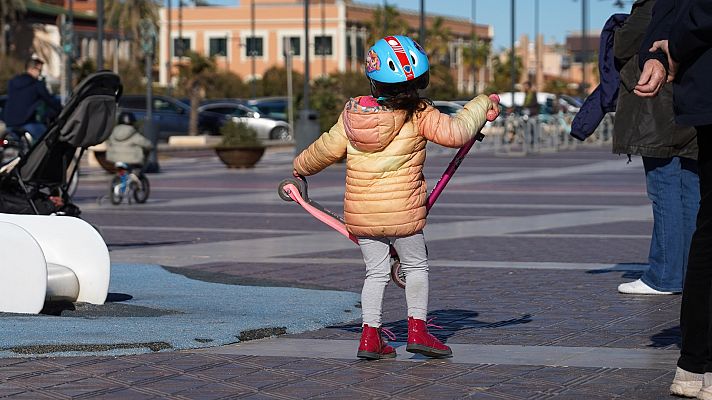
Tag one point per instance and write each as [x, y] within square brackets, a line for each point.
[295, 43]
[254, 47]
[360, 48]
[180, 46]
[217, 47]
[322, 46]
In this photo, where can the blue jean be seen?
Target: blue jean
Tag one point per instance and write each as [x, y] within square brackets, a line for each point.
[673, 188]
[36, 129]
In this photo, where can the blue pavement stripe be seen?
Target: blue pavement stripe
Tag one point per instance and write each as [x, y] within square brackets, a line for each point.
[156, 309]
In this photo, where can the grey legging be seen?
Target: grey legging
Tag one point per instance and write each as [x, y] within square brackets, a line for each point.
[414, 262]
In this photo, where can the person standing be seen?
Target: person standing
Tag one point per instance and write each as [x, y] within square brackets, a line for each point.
[678, 48]
[383, 138]
[669, 153]
[26, 94]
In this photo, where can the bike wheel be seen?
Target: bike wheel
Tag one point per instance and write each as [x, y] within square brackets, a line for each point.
[142, 189]
[115, 192]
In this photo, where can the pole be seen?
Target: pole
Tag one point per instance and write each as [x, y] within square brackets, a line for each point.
[474, 47]
[421, 35]
[323, 35]
[290, 91]
[180, 29]
[307, 128]
[148, 124]
[512, 55]
[584, 46]
[169, 62]
[100, 35]
[536, 44]
[385, 20]
[70, 54]
[306, 56]
[253, 89]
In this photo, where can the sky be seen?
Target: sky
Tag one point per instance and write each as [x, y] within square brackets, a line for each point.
[556, 17]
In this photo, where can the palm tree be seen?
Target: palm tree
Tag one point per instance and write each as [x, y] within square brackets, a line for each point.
[502, 70]
[10, 10]
[194, 75]
[438, 45]
[386, 21]
[475, 57]
[126, 15]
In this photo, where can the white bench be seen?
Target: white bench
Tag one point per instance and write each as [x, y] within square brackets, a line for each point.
[50, 258]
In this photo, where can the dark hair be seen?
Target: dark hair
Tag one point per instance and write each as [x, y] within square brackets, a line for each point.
[33, 63]
[127, 118]
[403, 95]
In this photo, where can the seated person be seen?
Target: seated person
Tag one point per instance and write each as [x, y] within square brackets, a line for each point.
[27, 95]
[126, 144]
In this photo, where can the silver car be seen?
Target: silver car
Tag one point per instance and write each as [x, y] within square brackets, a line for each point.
[266, 128]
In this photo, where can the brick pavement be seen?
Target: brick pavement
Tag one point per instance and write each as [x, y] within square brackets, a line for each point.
[524, 252]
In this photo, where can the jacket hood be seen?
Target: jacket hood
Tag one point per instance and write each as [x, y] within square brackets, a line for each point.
[23, 81]
[369, 126]
[123, 132]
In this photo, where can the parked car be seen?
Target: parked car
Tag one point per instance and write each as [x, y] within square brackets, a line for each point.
[171, 115]
[270, 107]
[447, 107]
[267, 128]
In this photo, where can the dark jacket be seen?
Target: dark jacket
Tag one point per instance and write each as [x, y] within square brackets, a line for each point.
[687, 25]
[645, 126]
[24, 95]
[603, 99]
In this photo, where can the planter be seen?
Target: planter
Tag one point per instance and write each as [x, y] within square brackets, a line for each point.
[240, 157]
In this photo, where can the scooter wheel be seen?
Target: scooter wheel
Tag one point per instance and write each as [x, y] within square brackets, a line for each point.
[281, 192]
[397, 275]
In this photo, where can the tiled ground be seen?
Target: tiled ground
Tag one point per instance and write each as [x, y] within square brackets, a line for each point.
[504, 271]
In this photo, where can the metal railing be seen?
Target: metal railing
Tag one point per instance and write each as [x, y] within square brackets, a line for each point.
[519, 135]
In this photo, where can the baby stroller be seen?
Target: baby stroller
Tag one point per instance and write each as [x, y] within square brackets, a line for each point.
[36, 182]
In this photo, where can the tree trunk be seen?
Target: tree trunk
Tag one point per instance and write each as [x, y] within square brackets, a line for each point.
[194, 103]
[3, 41]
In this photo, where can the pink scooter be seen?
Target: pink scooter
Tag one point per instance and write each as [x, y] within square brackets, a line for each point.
[296, 190]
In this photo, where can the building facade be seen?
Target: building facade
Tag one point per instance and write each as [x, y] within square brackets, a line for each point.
[255, 35]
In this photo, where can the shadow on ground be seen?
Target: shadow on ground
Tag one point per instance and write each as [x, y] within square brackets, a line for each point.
[449, 322]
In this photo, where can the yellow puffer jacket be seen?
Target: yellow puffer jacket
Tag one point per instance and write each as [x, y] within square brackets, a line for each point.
[385, 187]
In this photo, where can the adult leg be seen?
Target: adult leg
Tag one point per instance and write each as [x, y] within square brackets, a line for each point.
[36, 130]
[695, 309]
[663, 181]
[690, 203]
[376, 255]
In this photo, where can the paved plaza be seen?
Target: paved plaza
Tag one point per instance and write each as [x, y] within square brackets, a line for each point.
[525, 254]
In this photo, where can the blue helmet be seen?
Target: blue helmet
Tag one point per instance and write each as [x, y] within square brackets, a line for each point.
[396, 59]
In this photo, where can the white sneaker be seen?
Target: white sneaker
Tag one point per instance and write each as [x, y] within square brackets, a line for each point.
[706, 392]
[638, 287]
[687, 384]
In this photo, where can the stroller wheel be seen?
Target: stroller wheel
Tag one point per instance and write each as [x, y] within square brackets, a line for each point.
[281, 191]
[115, 194]
[397, 275]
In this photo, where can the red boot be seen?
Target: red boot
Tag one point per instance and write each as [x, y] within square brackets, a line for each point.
[421, 342]
[372, 346]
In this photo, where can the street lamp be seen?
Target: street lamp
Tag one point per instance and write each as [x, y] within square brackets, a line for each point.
[421, 36]
[148, 44]
[584, 46]
[512, 56]
[100, 35]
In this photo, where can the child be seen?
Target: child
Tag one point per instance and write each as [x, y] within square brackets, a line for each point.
[126, 145]
[383, 137]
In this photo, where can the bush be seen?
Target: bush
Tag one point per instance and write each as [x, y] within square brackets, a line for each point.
[238, 135]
